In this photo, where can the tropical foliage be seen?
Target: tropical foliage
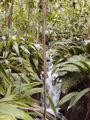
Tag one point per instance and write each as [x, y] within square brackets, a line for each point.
[21, 57]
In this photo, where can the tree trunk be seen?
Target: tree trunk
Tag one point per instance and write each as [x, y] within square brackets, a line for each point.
[6, 12]
[10, 15]
[9, 22]
[44, 54]
[27, 25]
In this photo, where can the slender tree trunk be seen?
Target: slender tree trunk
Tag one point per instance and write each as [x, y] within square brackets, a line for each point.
[27, 25]
[6, 12]
[10, 15]
[44, 54]
[9, 22]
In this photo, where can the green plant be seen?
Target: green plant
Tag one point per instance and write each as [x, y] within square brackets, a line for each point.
[73, 97]
[19, 78]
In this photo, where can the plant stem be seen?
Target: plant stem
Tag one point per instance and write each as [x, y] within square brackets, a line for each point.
[44, 54]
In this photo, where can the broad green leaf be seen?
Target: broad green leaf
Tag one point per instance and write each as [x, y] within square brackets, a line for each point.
[76, 50]
[2, 75]
[85, 63]
[20, 105]
[34, 84]
[24, 99]
[7, 117]
[78, 66]
[78, 97]
[8, 71]
[3, 71]
[10, 42]
[52, 104]
[9, 91]
[61, 45]
[7, 98]
[16, 76]
[35, 76]
[35, 61]
[25, 49]
[16, 48]
[67, 97]
[2, 91]
[33, 91]
[25, 78]
[9, 109]
[1, 45]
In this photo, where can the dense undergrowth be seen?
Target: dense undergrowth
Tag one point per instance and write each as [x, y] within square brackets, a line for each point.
[21, 57]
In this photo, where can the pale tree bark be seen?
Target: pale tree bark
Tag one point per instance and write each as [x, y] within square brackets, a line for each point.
[44, 54]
